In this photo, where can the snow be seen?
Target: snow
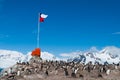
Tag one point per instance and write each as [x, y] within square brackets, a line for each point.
[9, 58]
[110, 54]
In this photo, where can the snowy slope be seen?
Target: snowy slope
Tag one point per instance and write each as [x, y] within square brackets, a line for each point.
[44, 56]
[110, 54]
[9, 58]
[48, 56]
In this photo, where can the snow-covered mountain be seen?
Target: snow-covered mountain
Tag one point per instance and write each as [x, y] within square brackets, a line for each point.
[9, 58]
[110, 54]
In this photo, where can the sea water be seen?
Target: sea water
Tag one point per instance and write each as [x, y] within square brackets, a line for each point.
[1, 72]
[1, 69]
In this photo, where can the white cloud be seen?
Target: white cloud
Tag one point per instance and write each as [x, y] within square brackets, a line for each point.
[116, 33]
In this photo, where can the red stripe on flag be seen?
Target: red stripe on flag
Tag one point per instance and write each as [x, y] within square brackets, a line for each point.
[41, 19]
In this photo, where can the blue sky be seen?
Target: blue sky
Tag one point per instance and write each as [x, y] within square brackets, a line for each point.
[71, 24]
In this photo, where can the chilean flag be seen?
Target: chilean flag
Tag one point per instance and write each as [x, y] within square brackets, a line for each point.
[42, 17]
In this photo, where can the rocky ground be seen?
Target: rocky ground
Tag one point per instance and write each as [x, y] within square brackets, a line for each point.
[50, 70]
[60, 77]
[41, 76]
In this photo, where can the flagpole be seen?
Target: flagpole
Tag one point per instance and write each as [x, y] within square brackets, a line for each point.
[38, 36]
